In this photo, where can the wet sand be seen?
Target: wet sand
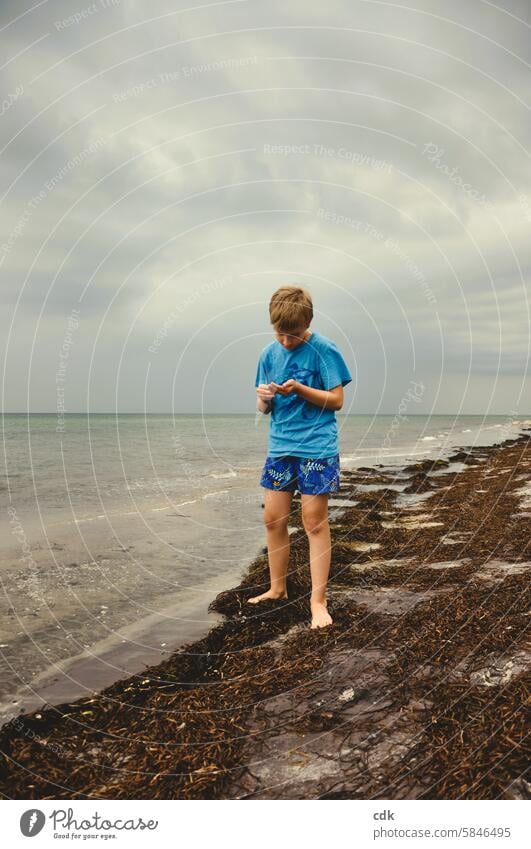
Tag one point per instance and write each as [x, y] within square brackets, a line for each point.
[416, 691]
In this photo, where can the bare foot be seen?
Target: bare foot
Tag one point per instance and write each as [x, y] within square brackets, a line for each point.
[269, 594]
[320, 615]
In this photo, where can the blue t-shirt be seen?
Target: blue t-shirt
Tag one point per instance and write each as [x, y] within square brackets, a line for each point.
[297, 427]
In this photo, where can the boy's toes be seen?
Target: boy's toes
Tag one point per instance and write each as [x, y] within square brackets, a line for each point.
[267, 595]
[320, 616]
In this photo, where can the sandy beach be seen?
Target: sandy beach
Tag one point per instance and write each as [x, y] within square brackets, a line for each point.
[416, 692]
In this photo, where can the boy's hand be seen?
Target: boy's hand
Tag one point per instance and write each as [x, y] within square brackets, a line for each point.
[287, 387]
[265, 391]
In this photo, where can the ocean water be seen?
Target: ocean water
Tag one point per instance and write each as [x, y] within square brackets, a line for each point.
[119, 531]
[108, 471]
[113, 459]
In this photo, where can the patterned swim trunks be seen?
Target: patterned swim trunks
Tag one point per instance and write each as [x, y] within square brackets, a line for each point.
[305, 474]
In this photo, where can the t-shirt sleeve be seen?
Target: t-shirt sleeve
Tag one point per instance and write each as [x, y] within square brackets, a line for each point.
[333, 368]
[262, 375]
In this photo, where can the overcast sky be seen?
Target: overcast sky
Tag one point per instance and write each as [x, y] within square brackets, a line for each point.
[163, 170]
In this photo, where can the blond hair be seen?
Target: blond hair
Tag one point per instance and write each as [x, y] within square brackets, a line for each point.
[290, 307]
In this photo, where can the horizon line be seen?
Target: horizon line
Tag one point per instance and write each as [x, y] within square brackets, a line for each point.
[114, 413]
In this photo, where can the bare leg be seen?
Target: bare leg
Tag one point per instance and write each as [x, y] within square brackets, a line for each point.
[276, 514]
[315, 520]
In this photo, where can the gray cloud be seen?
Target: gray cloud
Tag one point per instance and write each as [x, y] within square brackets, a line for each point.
[164, 171]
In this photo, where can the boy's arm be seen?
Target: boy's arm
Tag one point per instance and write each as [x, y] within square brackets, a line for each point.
[334, 375]
[264, 406]
[264, 399]
[327, 399]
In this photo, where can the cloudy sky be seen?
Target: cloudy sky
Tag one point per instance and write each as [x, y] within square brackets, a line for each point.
[165, 167]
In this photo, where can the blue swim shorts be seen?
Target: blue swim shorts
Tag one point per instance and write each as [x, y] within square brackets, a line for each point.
[305, 474]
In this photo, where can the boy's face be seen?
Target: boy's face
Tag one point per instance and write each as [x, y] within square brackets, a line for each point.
[290, 339]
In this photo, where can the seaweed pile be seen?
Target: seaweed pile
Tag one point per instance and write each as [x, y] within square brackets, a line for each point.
[418, 689]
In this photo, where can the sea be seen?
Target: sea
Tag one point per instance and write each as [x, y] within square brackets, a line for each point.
[100, 467]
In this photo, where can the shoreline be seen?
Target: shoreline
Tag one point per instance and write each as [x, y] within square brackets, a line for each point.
[133, 599]
[108, 661]
[343, 712]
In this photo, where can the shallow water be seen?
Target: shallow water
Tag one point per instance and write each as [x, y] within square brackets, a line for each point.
[452, 469]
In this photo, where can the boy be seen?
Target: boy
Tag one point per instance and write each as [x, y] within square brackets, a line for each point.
[299, 379]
